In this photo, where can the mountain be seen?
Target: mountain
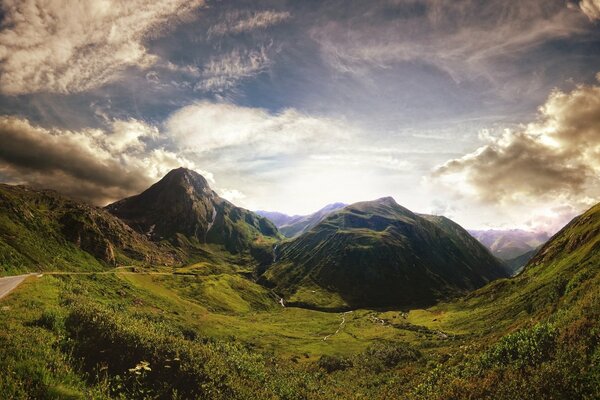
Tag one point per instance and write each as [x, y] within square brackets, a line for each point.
[510, 243]
[291, 226]
[41, 230]
[182, 209]
[277, 218]
[563, 275]
[378, 253]
[516, 265]
[515, 247]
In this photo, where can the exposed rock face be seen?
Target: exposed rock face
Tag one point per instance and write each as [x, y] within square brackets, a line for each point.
[88, 238]
[182, 203]
[38, 229]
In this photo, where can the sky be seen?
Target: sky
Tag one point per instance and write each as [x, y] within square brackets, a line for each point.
[487, 112]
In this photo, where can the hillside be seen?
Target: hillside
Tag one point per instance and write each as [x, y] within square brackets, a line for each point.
[541, 326]
[508, 244]
[378, 253]
[41, 230]
[292, 226]
[517, 264]
[197, 333]
[182, 209]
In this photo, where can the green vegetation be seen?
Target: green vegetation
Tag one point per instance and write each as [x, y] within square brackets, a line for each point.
[44, 231]
[209, 330]
[379, 254]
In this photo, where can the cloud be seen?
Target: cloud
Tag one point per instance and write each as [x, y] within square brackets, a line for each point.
[205, 127]
[466, 39]
[224, 72]
[70, 46]
[287, 160]
[231, 194]
[591, 8]
[555, 159]
[239, 21]
[95, 165]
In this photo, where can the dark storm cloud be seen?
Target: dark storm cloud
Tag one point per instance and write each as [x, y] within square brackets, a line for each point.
[93, 165]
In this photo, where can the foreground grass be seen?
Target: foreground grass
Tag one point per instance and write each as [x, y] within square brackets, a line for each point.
[210, 335]
[33, 364]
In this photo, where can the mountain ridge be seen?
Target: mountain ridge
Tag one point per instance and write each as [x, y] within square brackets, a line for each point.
[378, 253]
[294, 225]
[181, 207]
[42, 229]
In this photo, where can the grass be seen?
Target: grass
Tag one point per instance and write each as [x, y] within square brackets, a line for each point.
[32, 364]
[288, 332]
[207, 331]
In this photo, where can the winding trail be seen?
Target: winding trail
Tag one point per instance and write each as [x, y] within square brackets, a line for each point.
[343, 315]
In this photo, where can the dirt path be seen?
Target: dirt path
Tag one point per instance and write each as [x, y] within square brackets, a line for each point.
[343, 315]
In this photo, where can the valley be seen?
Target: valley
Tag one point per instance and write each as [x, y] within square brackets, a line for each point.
[373, 301]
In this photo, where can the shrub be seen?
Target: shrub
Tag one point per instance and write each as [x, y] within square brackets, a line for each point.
[51, 320]
[334, 363]
[385, 356]
[142, 359]
[526, 347]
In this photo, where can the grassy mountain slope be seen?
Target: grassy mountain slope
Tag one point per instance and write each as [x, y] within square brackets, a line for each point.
[541, 328]
[214, 335]
[380, 254]
[299, 225]
[182, 209]
[42, 230]
[517, 264]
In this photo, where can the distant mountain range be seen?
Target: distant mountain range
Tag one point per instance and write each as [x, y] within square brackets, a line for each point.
[378, 253]
[374, 253]
[294, 225]
[510, 243]
[515, 247]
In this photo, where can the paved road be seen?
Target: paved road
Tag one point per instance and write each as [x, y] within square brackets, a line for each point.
[9, 283]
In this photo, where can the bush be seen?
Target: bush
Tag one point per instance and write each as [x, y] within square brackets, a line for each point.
[385, 356]
[141, 359]
[51, 320]
[334, 363]
[526, 347]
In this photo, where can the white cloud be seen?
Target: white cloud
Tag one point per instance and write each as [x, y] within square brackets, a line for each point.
[463, 38]
[591, 8]
[71, 46]
[359, 157]
[239, 21]
[95, 165]
[206, 126]
[232, 195]
[549, 163]
[224, 72]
